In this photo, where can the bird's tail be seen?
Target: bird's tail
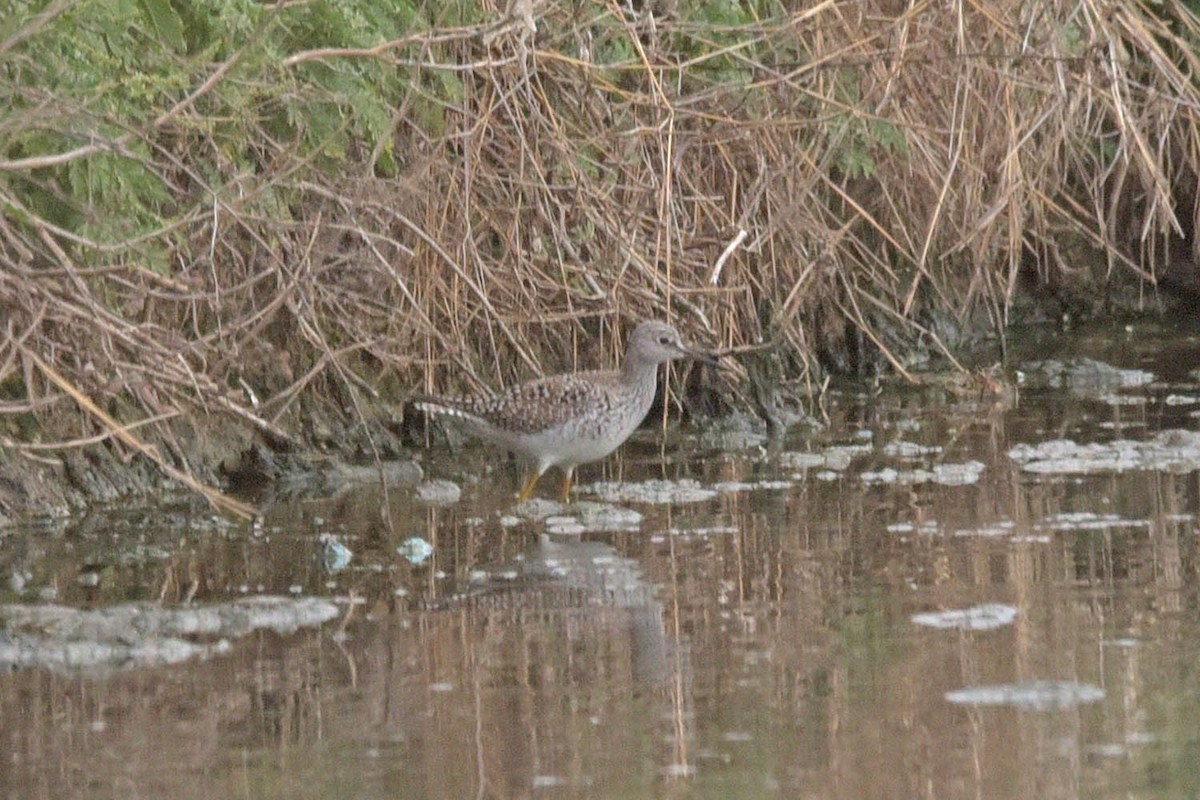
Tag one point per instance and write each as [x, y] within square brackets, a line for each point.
[442, 406]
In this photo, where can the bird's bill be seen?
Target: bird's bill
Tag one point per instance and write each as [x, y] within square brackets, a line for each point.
[702, 356]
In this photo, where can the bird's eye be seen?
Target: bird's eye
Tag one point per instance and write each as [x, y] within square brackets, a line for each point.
[664, 340]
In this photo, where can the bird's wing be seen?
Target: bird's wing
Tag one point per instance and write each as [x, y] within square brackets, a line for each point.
[534, 406]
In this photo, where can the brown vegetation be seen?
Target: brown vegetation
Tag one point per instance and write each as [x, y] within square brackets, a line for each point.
[554, 170]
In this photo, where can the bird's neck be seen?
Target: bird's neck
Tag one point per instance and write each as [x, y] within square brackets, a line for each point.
[634, 371]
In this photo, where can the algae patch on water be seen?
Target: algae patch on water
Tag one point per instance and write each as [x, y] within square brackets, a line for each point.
[976, 618]
[1175, 451]
[66, 639]
[1029, 695]
[652, 492]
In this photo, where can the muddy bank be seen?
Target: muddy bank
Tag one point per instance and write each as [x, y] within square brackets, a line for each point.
[220, 455]
[311, 453]
[314, 452]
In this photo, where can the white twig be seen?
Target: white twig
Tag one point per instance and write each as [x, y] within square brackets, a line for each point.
[720, 265]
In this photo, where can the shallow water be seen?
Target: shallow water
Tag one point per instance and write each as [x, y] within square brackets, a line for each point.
[895, 606]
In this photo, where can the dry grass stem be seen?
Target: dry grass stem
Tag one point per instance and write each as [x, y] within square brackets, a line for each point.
[799, 175]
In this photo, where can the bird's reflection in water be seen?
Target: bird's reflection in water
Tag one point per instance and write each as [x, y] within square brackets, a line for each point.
[588, 583]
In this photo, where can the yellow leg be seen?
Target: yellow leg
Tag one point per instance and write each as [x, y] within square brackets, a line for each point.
[567, 475]
[527, 489]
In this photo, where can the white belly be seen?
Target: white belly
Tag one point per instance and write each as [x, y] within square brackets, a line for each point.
[555, 448]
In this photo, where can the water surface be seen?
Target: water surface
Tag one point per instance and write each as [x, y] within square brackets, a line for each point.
[894, 606]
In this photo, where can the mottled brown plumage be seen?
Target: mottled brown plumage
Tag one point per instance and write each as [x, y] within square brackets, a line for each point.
[570, 419]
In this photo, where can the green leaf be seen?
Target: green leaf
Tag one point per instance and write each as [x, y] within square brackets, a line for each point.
[452, 87]
[166, 22]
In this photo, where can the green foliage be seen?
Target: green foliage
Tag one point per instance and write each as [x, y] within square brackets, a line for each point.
[133, 78]
[714, 43]
[724, 29]
[863, 141]
[859, 142]
[88, 78]
[341, 102]
[1071, 38]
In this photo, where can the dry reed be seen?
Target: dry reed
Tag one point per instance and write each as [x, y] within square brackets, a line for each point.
[823, 177]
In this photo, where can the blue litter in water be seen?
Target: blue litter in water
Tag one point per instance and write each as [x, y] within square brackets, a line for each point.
[416, 550]
[335, 555]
